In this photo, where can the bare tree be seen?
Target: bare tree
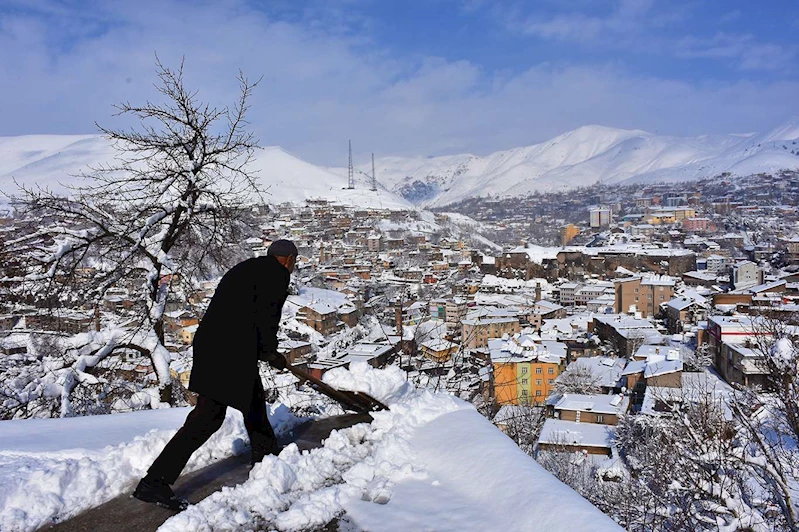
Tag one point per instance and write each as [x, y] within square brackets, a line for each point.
[688, 457]
[166, 209]
[579, 380]
[768, 415]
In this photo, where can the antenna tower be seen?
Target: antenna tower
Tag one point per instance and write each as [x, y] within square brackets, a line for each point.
[374, 179]
[350, 172]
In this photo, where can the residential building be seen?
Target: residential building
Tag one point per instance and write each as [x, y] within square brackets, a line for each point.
[600, 217]
[567, 233]
[602, 409]
[643, 294]
[187, 334]
[746, 274]
[570, 436]
[568, 293]
[524, 370]
[475, 332]
[455, 310]
[438, 349]
[625, 333]
[729, 335]
[321, 317]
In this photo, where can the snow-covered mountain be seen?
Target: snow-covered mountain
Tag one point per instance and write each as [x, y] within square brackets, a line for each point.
[586, 156]
[52, 161]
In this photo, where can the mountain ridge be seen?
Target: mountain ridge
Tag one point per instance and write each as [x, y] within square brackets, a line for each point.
[586, 156]
[53, 161]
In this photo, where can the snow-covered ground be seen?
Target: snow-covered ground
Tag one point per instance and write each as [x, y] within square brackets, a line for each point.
[431, 462]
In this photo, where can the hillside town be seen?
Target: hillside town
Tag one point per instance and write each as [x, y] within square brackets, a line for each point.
[651, 293]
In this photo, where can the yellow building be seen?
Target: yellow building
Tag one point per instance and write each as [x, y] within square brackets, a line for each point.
[439, 350]
[525, 372]
[187, 334]
[568, 232]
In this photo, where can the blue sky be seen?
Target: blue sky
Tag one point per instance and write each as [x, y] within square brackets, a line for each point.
[410, 77]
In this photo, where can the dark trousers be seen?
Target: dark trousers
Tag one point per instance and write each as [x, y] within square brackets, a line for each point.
[201, 423]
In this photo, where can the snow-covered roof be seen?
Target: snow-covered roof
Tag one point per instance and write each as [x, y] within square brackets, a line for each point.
[524, 348]
[600, 404]
[693, 386]
[439, 344]
[680, 303]
[321, 308]
[658, 280]
[559, 432]
[634, 366]
[606, 370]
[654, 369]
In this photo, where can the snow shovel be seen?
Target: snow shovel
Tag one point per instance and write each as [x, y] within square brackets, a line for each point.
[356, 401]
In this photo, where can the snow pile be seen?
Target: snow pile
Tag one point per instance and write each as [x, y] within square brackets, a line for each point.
[52, 469]
[429, 463]
[388, 385]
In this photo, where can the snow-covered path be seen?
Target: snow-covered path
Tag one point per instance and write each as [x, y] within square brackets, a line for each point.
[431, 462]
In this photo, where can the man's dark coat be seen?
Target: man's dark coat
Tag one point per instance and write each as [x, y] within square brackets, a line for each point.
[239, 328]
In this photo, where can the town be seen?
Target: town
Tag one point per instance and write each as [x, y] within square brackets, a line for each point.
[618, 310]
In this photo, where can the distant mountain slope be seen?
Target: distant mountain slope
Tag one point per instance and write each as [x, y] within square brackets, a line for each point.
[586, 156]
[51, 161]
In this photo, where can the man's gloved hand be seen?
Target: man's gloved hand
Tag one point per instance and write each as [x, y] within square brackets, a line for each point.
[277, 361]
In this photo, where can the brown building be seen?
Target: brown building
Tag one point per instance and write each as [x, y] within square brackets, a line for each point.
[349, 315]
[475, 333]
[643, 294]
[602, 409]
[321, 317]
[294, 349]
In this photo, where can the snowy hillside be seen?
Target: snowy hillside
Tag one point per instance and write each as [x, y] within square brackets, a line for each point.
[586, 156]
[51, 161]
[429, 463]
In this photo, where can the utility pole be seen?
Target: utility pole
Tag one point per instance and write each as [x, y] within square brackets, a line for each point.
[374, 179]
[351, 172]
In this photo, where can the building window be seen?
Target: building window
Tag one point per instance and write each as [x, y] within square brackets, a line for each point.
[551, 371]
[524, 393]
[538, 370]
[524, 381]
[538, 382]
[524, 370]
[600, 418]
[551, 381]
[538, 393]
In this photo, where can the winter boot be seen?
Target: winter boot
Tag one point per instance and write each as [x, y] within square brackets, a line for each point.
[157, 491]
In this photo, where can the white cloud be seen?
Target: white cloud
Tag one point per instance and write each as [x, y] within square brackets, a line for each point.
[744, 49]
[323, 87]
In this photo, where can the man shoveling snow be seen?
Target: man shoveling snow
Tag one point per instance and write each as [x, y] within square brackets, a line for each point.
[239, 329]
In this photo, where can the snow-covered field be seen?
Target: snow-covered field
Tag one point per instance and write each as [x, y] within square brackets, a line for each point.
[431, 462]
